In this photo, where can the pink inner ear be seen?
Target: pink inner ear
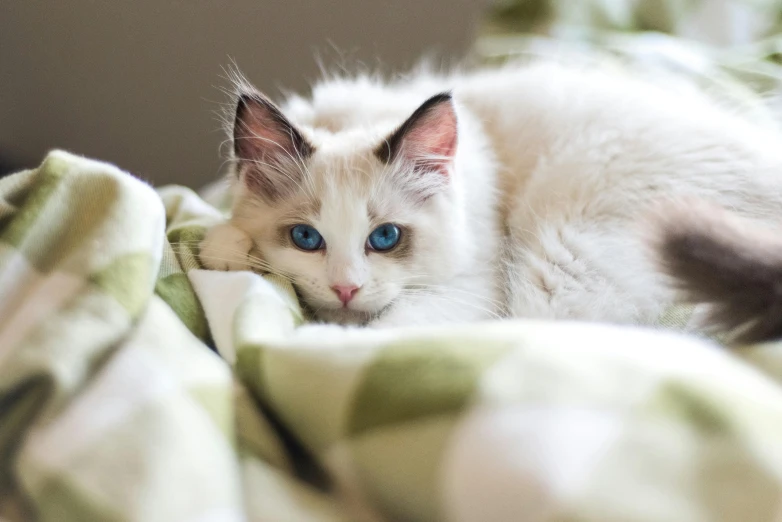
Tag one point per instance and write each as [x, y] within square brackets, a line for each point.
[262, 135]
[268, 146]
[265, 140]
[431, 142]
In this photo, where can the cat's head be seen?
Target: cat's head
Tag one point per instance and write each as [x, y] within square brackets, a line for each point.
[357, 217]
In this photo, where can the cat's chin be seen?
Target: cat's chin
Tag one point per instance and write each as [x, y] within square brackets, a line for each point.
[344, 316]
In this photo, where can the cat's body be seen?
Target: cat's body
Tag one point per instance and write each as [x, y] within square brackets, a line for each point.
[519, 196]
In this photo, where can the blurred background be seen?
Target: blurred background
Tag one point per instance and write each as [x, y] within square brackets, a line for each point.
[137, 83]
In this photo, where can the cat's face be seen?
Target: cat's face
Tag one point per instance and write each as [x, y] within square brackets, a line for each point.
[356, 221]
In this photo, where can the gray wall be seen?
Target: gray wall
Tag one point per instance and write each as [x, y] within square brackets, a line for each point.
[134, 82]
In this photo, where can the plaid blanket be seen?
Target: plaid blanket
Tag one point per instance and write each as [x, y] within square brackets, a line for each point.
[115, 406]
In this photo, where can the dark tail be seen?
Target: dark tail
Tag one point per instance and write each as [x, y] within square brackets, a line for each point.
[727, 262]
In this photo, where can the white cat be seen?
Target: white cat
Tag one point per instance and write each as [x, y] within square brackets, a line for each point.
[510, 192]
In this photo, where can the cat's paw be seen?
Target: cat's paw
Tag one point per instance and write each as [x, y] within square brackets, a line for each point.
[225, 247]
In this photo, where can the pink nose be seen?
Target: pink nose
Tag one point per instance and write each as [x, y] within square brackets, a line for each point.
[345, 292]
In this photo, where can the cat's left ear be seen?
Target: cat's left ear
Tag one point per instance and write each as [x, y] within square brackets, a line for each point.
[268, 149]
[427, 139]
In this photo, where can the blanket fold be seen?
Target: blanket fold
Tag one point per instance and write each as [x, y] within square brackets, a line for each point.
[114, 407]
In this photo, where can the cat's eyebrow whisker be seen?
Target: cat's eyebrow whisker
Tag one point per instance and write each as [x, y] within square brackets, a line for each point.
[366, 172]
[385, 172]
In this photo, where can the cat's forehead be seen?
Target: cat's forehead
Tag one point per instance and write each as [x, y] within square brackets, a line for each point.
[345, 160]
[344, 212]
[344, 140]
[352, 182]
[350, 211]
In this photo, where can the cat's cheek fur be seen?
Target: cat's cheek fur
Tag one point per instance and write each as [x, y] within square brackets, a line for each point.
[225, 247]
[448, 305]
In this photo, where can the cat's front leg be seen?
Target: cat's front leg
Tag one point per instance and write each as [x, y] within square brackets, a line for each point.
[225, 247]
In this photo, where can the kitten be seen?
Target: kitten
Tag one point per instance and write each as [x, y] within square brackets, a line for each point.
[373, 216]
[731, 265]
[508, 192]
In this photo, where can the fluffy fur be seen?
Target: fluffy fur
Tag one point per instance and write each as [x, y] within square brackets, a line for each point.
[731, 265]
[534, 212]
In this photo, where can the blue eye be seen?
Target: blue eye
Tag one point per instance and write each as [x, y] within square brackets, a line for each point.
[385, 237]
[306, 237]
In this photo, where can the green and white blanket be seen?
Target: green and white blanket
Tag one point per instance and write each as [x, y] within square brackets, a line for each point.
[114, 405]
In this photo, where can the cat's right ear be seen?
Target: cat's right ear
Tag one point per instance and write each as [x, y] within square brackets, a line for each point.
[426, 140]
[268, 149]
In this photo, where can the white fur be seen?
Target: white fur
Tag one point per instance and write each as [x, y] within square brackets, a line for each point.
[554, 171]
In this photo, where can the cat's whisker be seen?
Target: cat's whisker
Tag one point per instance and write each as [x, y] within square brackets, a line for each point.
[249, 259]
[254, 262]
[264, 270]
[442, 289]
[466, 293]
[493, 309]
[449, 298]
